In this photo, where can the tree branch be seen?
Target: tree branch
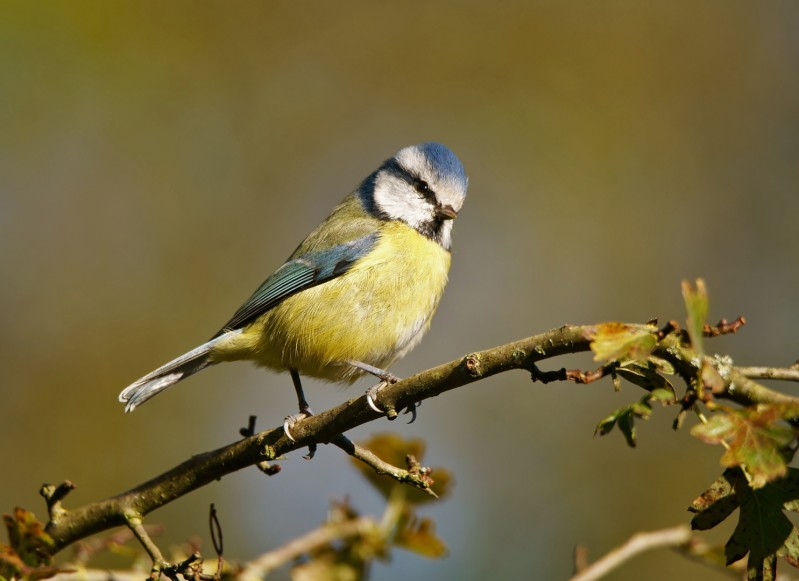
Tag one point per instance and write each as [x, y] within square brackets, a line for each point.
[783, 373]
[67, 526]
[72, 525]
[674, 537]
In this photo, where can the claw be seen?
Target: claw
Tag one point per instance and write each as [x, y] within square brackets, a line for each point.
[371, 393]
[289, 422]
[411, 409]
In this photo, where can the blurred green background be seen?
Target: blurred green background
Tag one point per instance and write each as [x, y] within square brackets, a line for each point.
[158, 160]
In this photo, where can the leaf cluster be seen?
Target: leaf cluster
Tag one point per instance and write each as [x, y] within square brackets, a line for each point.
[759, 439]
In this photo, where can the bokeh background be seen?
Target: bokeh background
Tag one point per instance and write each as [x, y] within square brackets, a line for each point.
[158, 160]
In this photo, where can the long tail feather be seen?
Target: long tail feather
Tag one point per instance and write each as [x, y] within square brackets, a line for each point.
[167, 375]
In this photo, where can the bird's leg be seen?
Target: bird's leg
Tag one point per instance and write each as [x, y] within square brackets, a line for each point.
[305, 411]
[386, 378]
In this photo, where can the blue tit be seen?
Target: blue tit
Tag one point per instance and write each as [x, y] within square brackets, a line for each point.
[357, 294]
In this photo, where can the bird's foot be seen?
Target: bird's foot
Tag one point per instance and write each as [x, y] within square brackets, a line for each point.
[371, 399]
[371, 396]
[386, 378]
[289, 423]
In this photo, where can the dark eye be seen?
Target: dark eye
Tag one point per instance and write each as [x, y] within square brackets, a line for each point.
[423, 188]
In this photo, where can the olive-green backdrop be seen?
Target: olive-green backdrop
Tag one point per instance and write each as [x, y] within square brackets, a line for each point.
[159, 159]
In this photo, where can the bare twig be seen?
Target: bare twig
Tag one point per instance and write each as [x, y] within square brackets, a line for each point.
[217, 539]
[159, 564]
[53, 495]
[415, 475]
[258, 569]
[575, 375]
[783, 373]
[249, 429]
[85, 550]
[580, 558]
[723, 327]
[638, 543]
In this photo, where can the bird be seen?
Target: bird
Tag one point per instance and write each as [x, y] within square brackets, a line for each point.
[356, 295]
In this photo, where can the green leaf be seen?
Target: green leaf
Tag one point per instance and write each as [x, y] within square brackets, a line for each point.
[606, 425]
[663, 395]
[620, 341]
[696, 304]
[625, 417]
[763, 530]
[754, 439]
[626, 424]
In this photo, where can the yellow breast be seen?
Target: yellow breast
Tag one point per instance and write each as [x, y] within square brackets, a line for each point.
[375, 313]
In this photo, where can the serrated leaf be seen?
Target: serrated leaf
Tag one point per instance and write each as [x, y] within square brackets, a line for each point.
[790, 549]
[620, 341]
[696, 304]
[715, 504]
[754, 439]
[763, 530]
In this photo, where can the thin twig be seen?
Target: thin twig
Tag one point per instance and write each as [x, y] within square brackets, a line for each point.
[324, 535]
[135, 524]
[580, 558]
[638, 543]
[575, 375]
[416, 475]
[85, 550]
[723, 327]
[53, 495]
[217, 539]
[783, 373]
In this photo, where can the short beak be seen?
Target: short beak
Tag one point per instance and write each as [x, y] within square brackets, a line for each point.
[446, 213]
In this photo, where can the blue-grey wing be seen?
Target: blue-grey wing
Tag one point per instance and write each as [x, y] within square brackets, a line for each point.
[298, 274]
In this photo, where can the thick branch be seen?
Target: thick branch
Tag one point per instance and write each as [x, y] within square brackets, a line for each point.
[72, 525]
[68, 526]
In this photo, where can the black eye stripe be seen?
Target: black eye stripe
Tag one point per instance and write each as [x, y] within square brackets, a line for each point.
[423, 188]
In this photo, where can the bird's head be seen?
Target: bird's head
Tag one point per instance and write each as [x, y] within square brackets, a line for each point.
[422, 185]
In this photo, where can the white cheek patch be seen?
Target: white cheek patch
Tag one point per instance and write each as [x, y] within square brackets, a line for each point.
[395, 197]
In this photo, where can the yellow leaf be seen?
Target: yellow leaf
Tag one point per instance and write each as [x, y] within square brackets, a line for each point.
[620, 341]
